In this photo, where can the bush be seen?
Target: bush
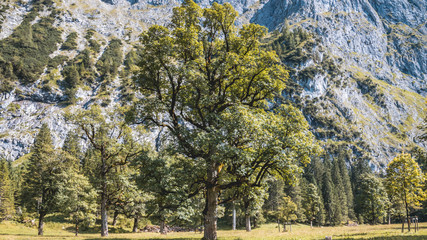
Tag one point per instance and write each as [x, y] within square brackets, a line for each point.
[71, 42]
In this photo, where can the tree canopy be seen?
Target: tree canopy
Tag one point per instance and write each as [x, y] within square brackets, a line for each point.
[212, 86]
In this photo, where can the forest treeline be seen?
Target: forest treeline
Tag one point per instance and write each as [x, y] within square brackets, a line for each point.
[227, 146]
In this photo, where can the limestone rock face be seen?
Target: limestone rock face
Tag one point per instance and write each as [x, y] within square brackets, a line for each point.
[372, 101]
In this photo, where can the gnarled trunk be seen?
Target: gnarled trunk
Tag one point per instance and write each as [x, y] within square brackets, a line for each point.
[163, 227]
[116, 214]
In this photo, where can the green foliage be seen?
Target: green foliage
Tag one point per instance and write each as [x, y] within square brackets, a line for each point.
[290, 45]
[287, 209]
[207, 74]
[71, 42]
[112, 147]
[371, 200]
[369, 88]
[76, 196]
[26, 52]
[111, 59]
[405, 182]
[313, 204]
[43, 177]
[56, 61]
[6, 192]
[330, 196]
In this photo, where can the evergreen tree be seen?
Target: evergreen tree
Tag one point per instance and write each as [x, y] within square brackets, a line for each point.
[71, 145]
[294, 191]
[330, 199]
[6, 191]
[372, 199]
[345, 176]
[342, 208]
[42, 177]
[360, 167]
[76, 197]
[312, 203]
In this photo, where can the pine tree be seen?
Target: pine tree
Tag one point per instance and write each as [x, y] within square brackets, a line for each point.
[6, 191]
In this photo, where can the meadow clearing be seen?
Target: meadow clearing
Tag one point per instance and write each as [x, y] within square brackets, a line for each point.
[58, 230]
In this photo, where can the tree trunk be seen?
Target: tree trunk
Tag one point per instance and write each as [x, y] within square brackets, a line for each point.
[116, 214]
[284, 227]
[290, 226]
[389, 218]
[403, 224]
[77, 227]
[248, 222]
[234, 216]
[163, 227]
[278, 224]
[41, 224]
[104, 215]
[311, 224]
[407, 215]
[135, 225]
[210, 211]
[104, 210]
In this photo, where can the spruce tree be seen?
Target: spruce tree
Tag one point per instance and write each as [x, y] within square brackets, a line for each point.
[342, 207]
[6, 191]
[372, 198]
[42, 177]
[346, 182]
[333, 216]
[312, 203]
[360, 167]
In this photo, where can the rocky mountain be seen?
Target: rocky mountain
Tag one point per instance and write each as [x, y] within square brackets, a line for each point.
[358, 67]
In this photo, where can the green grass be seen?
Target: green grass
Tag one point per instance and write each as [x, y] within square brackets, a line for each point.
[60, 230]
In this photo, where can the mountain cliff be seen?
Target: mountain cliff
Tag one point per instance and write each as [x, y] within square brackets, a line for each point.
[358, 67]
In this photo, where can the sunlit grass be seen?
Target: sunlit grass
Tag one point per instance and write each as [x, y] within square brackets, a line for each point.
[58, 230]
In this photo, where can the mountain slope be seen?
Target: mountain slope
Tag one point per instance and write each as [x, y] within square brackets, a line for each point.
[358, 67]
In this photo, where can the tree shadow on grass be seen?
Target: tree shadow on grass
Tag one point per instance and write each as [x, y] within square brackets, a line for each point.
[144, 238]
[358, 236]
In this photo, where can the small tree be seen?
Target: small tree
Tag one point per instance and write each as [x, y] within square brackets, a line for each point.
[287, 211]
[405, 182]
[77, 198]
[312, 203]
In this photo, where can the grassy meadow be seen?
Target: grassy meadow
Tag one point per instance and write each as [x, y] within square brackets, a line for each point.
[57, 230]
